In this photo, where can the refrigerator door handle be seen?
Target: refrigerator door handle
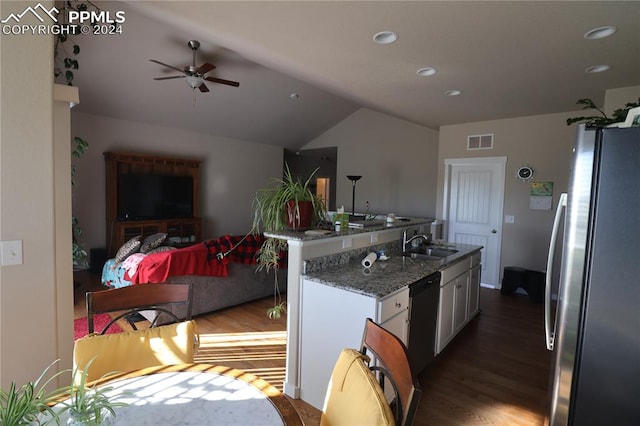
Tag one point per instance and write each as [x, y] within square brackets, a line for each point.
[548, 333]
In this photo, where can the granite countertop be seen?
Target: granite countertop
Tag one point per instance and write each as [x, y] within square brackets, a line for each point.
[399, 223]
[385, 277]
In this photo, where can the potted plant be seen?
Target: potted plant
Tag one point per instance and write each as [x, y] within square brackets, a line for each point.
[26, 404]
[287, 204]
[90, 406]
[290, 204]
[618, 115]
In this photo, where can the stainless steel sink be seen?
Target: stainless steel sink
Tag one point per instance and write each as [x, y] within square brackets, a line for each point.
[420, 256]
[436, 252]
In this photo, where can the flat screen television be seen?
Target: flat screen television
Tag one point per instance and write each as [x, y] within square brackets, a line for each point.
[148, 197]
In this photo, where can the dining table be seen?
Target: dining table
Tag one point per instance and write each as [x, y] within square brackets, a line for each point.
[195, 394]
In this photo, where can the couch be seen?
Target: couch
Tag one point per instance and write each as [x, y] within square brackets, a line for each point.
[222, 271]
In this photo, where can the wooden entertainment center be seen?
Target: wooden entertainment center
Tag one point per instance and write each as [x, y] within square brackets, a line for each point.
[180, 230]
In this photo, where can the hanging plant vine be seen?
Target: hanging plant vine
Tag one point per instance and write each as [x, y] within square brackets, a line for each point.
[64, 56]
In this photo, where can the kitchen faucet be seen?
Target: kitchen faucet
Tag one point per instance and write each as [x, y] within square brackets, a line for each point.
[405, 241]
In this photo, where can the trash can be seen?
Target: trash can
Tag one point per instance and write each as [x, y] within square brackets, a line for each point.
[512, 278]
[532, 282]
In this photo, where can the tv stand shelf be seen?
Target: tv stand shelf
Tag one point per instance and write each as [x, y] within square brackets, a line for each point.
[181, 231]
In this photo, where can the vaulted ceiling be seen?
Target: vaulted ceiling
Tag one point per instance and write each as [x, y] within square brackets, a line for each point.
[508, 58]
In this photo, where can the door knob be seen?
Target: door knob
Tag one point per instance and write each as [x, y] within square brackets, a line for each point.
[493, 231]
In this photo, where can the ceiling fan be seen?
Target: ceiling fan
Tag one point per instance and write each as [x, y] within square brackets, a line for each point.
[195, 76]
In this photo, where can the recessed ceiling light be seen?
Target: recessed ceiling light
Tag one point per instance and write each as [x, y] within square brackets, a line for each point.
[597, 68]
[452, 93]
[425, 72]
[294, 96]
[385, 37]
[600, 32]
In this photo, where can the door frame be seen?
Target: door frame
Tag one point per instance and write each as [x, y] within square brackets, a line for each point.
[449, 163]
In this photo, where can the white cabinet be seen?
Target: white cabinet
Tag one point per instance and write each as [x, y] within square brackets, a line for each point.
[333, 319]
[459, 297]
[445, 315]
[393, 313]
[460, 302]
[474, 286]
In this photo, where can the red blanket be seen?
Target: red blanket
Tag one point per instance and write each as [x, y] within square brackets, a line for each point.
[192, 260]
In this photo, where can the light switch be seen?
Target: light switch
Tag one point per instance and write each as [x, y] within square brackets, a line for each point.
[509, 219]
[11, 252]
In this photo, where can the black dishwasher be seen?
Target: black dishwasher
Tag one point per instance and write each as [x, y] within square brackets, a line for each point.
[424, 296]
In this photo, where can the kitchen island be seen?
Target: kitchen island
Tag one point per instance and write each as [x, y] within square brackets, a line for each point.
[336, 301]
[314, 250]
[318, 254]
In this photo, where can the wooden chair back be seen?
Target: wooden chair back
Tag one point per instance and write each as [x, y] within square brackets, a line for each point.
[393, 363]
[137, 298]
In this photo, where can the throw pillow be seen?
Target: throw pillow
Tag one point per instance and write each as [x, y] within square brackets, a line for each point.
[128, 249]
[152, 241]
[161, 249]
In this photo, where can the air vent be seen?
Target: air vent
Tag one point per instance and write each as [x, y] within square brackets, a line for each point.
[475, 142]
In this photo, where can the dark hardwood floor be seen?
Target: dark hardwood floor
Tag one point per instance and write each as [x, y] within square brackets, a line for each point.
[495, 372]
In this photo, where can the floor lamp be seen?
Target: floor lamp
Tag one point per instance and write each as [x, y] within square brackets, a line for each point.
[353, 179]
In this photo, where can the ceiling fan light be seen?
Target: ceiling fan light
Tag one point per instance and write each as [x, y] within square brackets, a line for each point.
[193, 81]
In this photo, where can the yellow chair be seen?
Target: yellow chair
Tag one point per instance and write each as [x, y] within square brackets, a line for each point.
[122, 352]
[354, 396]
[132, 350]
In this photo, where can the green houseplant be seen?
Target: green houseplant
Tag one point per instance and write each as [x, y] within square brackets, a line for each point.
[80, 256]
[90, 406]
[24, 405]
[278, 207]
[601, 119]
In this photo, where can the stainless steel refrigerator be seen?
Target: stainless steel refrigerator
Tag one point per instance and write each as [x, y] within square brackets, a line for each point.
[594, 329]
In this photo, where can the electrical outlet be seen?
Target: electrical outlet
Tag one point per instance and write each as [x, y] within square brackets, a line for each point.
[11, 252]
[346, 243]
[374, 238]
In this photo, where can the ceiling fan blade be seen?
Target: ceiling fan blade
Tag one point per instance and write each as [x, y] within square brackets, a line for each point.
[223, 81]
[203, 88]
[205, 68]
[165, 65]
[169, 78]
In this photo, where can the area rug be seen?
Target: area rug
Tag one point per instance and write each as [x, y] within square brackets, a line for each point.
[81, 328]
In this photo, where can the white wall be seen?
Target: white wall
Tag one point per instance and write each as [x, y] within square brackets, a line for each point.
[230, 172]
[397, 160]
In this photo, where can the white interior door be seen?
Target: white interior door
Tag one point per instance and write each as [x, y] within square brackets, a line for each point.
[473, 203]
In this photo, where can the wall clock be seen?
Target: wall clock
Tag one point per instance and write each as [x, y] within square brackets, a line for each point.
[524, 173]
